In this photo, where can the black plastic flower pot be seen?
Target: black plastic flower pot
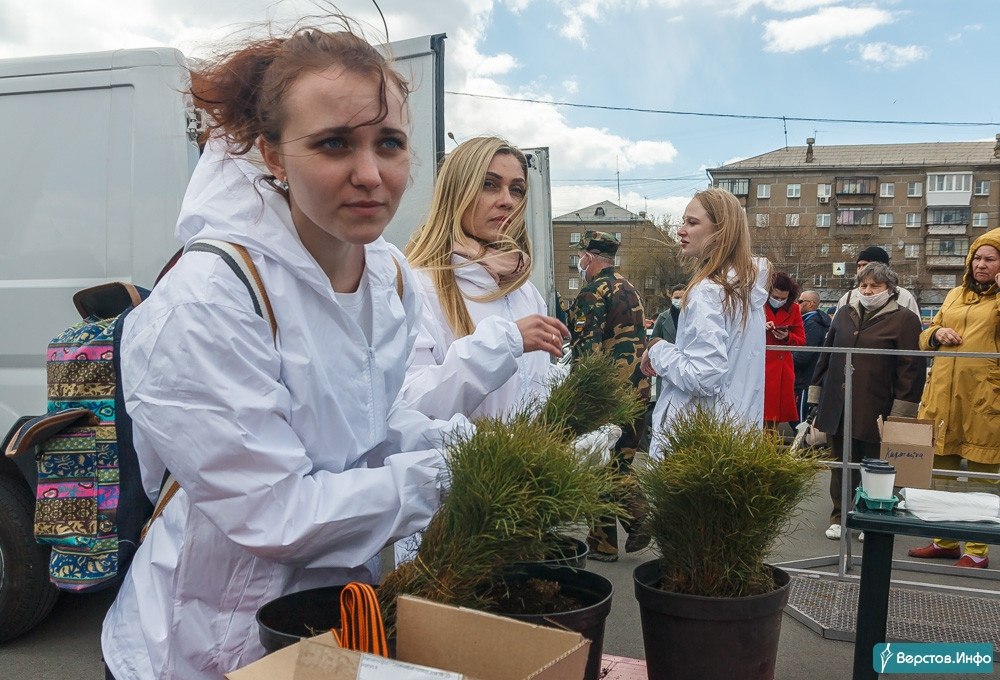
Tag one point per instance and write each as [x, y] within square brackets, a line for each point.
[708, 638]
[592, 594]
[288, 619]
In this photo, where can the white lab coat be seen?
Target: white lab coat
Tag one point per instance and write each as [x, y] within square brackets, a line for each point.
[288, 456]
[715, 361]
[482, 374]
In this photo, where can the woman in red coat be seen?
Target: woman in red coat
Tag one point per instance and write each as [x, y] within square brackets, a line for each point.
[784, 327]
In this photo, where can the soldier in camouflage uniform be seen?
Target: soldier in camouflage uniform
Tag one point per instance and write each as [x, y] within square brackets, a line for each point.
[607, 316]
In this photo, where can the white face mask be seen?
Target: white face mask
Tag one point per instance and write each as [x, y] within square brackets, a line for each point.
[874, 301]
[776, 303]
[676, 302]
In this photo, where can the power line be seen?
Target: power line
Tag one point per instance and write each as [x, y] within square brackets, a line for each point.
[743, 116]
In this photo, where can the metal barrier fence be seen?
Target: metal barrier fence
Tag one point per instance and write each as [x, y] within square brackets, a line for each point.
[844, 558]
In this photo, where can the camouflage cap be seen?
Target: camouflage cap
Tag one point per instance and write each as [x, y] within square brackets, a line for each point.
[599, 243]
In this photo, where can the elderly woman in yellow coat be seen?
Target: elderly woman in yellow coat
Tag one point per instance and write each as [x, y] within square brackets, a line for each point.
[962, 396]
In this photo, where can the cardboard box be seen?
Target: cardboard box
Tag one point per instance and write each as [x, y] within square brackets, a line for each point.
[466, 643]
[908, 443]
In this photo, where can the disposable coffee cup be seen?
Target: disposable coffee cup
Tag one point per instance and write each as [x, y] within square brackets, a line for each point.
[877, 481]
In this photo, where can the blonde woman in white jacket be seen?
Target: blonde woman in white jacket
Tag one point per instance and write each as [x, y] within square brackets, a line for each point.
[718, 356]
[486, 341]
[297, 463]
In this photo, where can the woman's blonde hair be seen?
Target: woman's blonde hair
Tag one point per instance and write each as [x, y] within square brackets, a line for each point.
[730, 262]
[456, 191]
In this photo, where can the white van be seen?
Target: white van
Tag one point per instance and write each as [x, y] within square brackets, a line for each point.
[99, 149]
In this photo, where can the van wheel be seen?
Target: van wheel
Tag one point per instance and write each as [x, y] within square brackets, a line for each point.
[26, 594]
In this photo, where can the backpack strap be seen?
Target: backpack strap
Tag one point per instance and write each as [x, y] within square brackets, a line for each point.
[399, 277]
[241, 263]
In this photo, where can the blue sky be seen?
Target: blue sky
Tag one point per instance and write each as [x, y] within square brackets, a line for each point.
[922, 60]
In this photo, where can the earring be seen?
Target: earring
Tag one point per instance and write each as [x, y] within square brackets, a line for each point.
[282, 183]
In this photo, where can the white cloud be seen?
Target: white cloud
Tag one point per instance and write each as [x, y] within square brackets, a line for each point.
[570, 86]
[497, 65]
[822, 28]
[892, 56]
[650, 153]
[788, 6]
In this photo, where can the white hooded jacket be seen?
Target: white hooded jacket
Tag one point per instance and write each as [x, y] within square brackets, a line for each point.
[716, 359]
[287, 452]
[485, 373]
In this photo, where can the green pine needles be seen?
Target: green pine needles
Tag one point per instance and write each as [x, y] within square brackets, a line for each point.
[718, 499]
[513, 483]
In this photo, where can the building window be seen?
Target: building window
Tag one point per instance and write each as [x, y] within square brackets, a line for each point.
[885, 220]
[911, 251]
[574, 238]
[823, 220]
[763, 191]
[914, 189]
[790, 251]
[618, 235]
[794, 191]
[650, 283]
[824, 249]
[981, 187]
[943, 281]
[792, 220]
[761, 219]
[599, 212]
[823, 190]
[849, 249]
[949, 181]
[574, 283]
[887, 190]
[980, 219]
[947, 247]
[819, 280]
[948, 216]
[738, 187]
[573, 259]
[618, 260]
[856, 185]
[854, 217]
[912, 220]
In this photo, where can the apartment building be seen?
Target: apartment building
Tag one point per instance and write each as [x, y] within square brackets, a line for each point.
[813, 208]
[647, 256]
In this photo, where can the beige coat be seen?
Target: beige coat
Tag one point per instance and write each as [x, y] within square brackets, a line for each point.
[963, 395]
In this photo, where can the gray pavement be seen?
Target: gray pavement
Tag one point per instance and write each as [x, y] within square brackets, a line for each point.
[67, 644]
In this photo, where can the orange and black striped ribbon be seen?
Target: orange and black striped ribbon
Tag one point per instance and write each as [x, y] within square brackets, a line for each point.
[361, 626]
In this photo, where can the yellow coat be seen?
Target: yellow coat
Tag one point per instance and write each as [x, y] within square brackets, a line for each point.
[962, 396]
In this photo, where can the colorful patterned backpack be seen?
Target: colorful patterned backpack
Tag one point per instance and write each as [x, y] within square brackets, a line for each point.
[90, 504]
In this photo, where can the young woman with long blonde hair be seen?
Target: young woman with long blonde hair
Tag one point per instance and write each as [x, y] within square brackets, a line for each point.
[486, 337]
[718, 357]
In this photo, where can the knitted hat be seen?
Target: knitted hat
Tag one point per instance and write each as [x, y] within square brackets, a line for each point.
[873, 254]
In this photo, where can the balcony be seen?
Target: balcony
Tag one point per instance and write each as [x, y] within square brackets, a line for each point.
[946, 262]
[946, 229]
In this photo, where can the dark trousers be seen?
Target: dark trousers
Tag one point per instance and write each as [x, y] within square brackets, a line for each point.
[107, 673]
[859, 449]
[604, 537]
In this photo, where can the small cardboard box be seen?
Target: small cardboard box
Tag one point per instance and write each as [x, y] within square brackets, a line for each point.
[908, 443]
[466, 643]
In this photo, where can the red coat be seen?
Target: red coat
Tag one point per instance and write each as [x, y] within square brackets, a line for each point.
[779, 366]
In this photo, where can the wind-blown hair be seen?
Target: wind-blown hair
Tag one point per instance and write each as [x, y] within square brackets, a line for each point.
[456, 192]
[730, 262]
[243, 91]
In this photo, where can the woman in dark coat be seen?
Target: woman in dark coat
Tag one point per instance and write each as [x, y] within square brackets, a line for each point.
[883, 384]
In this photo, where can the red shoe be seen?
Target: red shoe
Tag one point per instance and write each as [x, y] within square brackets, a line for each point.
[933, 550]
[970, 561]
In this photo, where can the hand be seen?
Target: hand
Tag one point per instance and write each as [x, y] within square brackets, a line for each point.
[543, 333]
[645, 365]
[769, 326]
[810, 411]
[947, 336]
[594, 447]
[780, 334]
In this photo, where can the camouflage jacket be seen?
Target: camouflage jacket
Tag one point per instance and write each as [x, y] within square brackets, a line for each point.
[607, 315]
